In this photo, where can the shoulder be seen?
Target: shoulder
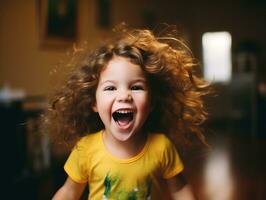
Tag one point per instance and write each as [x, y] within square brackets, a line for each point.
[89, 142]
[166, 153]
[160, 144]
[160, 140]
[90, 137]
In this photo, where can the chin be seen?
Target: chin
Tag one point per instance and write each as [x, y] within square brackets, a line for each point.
[123, 135]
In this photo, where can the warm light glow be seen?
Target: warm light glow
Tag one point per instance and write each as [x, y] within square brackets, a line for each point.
[218, 179]
[217, 56]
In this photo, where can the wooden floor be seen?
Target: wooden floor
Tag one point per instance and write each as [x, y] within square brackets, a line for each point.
[233, 169]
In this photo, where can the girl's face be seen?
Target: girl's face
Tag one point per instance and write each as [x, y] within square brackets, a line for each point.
[122, 99]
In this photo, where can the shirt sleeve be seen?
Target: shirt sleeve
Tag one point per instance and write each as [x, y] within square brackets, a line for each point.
[76, 165]
[171, 163]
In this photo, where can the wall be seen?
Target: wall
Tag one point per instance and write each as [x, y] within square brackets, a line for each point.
[23, 64]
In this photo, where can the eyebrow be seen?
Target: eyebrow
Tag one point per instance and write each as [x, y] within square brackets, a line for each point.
[142, 80]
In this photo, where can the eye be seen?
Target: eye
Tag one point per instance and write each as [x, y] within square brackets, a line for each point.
[109, 88]
[137, 87]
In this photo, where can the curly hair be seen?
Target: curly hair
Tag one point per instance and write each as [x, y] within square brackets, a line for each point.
[176, 90]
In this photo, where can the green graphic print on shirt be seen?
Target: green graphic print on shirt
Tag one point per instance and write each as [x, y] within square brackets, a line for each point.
[140, 192]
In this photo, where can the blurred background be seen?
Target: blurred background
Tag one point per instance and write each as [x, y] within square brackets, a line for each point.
[228, 38]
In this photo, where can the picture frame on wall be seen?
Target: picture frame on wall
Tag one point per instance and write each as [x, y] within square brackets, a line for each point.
[58, 23]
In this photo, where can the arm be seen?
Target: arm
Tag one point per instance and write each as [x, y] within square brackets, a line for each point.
[179, 188]
[71, 190]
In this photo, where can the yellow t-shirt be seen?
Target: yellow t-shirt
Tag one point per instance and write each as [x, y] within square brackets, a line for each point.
[140, 177]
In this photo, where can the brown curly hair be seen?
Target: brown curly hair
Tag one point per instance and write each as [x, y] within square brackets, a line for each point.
[176, 90]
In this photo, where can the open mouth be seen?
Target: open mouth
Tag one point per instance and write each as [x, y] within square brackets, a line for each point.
[123, 117]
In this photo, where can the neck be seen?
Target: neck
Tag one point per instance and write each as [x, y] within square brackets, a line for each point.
[124, 149]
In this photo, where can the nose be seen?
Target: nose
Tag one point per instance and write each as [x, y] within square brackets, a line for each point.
[124, 96]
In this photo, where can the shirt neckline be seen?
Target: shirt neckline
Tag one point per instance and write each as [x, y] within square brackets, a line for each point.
[128, 160]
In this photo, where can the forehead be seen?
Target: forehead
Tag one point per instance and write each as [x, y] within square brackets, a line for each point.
[122, 68]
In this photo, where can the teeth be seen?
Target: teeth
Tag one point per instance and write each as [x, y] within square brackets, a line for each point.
[123, 116]
[124, 111]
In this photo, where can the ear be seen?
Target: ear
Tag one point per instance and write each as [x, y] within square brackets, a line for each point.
[94, 107]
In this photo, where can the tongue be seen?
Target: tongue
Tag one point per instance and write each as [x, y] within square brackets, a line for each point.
[123, 121]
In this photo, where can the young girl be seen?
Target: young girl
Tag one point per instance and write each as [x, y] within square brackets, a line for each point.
[124, 102]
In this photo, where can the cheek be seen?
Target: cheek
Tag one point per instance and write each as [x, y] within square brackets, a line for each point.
[103, 104]
[144, 104]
